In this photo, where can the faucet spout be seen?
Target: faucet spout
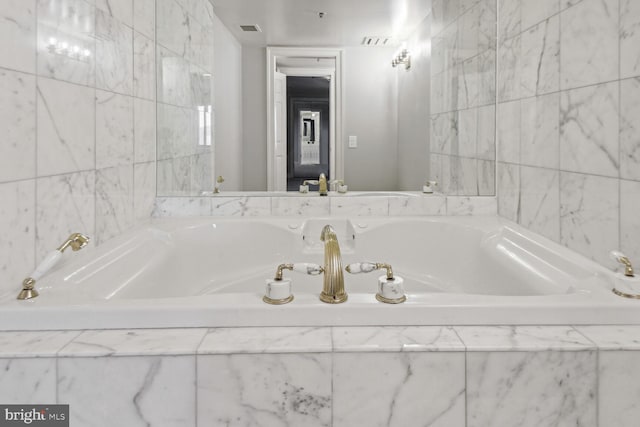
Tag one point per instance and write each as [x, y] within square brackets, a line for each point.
[322, 182]
[333, 281]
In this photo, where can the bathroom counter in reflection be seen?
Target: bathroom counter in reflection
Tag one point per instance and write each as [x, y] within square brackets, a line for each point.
[352, 203]
[312, 193]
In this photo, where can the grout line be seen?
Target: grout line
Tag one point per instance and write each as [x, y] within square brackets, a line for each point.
[41, 76]
[35, 160]
[134, 216]
[597, 387]
[496, 141]
[563, 170]
[559, 150]
[619, 27]
[596, 349]
[466, 388]
[95, 135]
[196, 384]
[332, 376]
[57, 378]
[466, 382]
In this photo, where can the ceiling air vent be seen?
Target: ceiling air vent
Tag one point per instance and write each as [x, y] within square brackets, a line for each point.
[375, 41]
[251, 28]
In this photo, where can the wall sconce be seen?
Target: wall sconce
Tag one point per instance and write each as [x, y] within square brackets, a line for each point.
[58, 47]
[403, 58]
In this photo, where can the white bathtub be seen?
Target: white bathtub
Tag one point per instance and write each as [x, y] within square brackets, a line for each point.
[210, 272]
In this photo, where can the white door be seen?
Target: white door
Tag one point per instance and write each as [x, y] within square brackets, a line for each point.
[280, 128]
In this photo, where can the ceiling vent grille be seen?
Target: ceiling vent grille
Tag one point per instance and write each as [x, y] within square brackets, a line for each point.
[251, 28]
[376, 41]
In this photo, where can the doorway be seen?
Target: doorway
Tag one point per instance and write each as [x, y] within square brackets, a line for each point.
[283, 63]
[308, 140]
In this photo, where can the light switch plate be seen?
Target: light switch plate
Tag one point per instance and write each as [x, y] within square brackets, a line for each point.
[353, 141]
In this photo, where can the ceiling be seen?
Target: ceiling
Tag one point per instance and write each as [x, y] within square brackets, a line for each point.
[297, 22]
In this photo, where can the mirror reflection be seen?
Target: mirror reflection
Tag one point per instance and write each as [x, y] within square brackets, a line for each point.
[417, 95]
[307, 143]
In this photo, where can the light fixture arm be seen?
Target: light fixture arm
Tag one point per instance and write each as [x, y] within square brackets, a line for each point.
[404, 57]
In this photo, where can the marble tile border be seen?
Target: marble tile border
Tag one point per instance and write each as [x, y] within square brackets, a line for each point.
[615, 337]
[420, 204]
[32, 344]
[134, 342]
[331, 376]
[343, 339]
[266, 340]
[396, 339]
[523, 338]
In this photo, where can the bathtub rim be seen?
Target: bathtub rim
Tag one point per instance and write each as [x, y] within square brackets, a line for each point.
[441, 309]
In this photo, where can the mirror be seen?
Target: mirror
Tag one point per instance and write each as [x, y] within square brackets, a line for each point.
[428, 116]
[185, 111]
[309, 138]
[463, 97]
[302, 78]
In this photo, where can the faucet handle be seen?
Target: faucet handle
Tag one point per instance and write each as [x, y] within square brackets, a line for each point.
[278, 290]
[308, 268]
[340, 186]
[368, 267]
[300, 267]
[361, 267]
[390, 289]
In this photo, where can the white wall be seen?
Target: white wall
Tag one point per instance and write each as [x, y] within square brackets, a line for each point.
[371, 115]
[228, 107]
[254, 131]
[413, 111]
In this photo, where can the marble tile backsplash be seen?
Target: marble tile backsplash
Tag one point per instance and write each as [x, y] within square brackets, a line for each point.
[569, 121]
[79, 124]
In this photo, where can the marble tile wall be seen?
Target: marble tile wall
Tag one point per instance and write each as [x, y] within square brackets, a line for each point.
[77, 108]
[330, 376]
[568, 122]
[184, 69]
[463, 107]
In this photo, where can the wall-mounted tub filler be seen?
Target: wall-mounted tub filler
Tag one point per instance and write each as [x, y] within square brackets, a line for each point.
[627, 286]
[621, 258]
[390, 287]
[76, 241]
[218, 184]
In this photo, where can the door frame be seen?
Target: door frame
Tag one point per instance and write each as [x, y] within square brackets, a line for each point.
[336, 102]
